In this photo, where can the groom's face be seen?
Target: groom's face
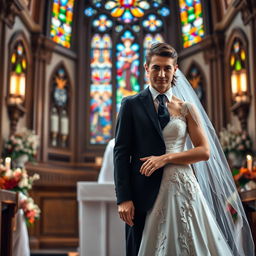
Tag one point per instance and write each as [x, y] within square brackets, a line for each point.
[160, 72]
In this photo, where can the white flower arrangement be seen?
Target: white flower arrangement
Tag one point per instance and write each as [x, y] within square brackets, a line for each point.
[235, 141]
[24, 143]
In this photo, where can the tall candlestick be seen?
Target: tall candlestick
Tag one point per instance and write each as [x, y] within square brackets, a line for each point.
[8, 163]
[249, 162]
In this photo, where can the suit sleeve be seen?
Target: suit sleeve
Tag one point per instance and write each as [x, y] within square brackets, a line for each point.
[122, 153]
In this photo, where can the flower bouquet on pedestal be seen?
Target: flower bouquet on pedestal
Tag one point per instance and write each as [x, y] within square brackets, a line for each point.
[21, 147]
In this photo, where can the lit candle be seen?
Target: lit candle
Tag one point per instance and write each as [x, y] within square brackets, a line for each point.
[243, 82]
[249, 162]
[8, 163]
[234, 84]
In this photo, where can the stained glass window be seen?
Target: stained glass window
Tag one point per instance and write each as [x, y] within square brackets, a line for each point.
[101, 89]
[127, 67]
[61, 22]
[127, 10]
[191, 16]
[196, 80]
[149, 39]
[18, 71]
[129, 22]
[238, 57]
[238, 69]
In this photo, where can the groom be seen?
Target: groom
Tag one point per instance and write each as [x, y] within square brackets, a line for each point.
[139, 134]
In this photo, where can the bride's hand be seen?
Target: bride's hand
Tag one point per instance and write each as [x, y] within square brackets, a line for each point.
[152, 163]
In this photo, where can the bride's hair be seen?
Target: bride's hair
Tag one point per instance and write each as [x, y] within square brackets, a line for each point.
[163, 50]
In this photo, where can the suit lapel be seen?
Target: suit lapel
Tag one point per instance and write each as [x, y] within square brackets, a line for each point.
[147, 102]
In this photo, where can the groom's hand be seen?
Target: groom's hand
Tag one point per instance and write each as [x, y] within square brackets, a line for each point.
[126, 212]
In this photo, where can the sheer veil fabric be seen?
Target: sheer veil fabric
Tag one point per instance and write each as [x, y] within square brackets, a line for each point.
[215, 179]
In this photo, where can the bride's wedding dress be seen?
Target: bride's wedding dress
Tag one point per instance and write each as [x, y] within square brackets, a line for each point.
[180, 222]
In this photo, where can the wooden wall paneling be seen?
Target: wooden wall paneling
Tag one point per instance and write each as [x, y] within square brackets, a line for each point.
[55, 194]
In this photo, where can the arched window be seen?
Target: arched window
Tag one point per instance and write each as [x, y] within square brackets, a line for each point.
[237, 85]
[59, 108]
[18, 72]
[121, 31]
[192, 24]
[61, 22]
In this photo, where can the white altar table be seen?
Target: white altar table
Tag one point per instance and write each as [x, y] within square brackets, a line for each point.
[101, 232]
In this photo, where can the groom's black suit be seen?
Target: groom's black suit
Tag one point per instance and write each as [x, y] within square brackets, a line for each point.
[138, 134]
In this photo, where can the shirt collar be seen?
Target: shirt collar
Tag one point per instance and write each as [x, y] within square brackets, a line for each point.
[155, 93]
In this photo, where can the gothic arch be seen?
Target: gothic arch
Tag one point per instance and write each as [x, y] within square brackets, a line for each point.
[60, 95]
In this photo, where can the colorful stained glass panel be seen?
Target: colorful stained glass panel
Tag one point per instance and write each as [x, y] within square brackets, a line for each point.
[101, 89]
[102, 23]
[89, 11]
[18, 59]
[127, 67]
[152, 23]
[238, 56]
[127, 11]
[61, 22]
[191, 16]
[164, 11]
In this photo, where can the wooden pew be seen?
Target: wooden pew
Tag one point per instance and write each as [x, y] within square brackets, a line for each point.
[8, 208]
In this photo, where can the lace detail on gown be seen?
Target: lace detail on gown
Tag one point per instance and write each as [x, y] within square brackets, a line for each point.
[185, 184]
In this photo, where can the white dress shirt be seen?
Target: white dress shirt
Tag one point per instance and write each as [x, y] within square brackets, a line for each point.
[155, 93]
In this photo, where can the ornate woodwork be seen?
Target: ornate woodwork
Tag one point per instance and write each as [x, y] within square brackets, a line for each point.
[55, 193]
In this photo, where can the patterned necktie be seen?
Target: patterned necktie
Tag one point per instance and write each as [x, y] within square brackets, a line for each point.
[163, 113]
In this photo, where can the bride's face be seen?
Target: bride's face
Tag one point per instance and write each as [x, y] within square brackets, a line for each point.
[160, 72]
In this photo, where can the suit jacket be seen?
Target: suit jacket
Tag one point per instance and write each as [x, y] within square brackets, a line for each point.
[138, 134]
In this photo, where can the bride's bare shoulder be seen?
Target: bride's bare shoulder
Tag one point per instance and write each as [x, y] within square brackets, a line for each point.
[177, 101]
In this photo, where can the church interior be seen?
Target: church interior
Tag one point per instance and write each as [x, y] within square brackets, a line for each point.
[68, 64]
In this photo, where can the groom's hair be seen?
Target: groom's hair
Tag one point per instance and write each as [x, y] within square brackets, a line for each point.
[163, 50]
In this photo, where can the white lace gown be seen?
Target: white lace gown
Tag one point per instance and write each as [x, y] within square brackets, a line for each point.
[180, 222]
